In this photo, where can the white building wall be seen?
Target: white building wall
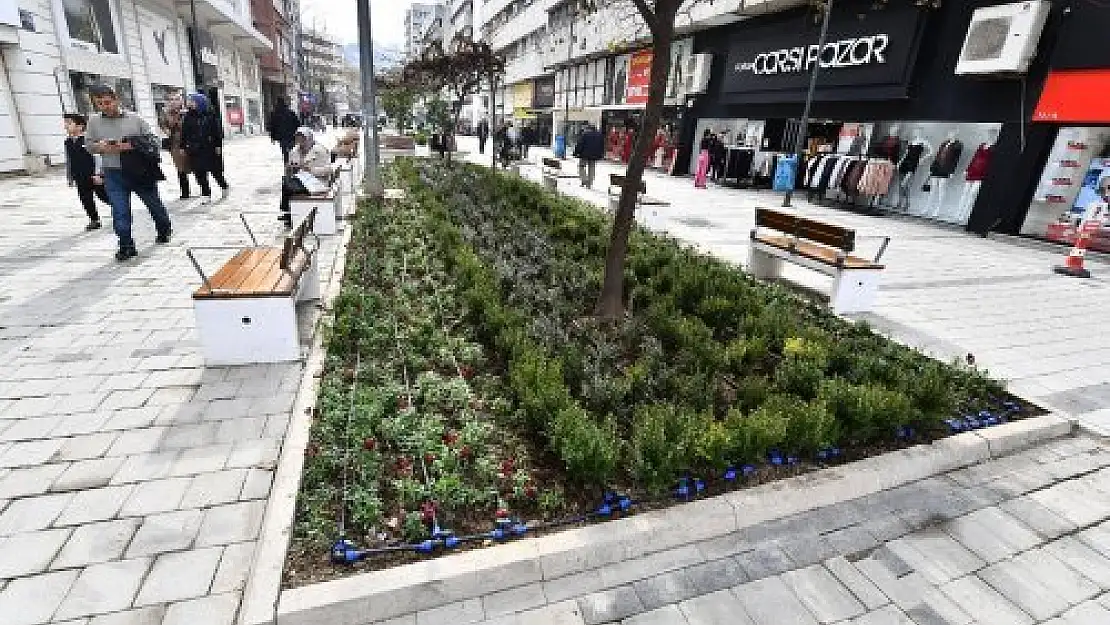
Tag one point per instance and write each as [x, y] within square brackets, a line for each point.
[33, 103]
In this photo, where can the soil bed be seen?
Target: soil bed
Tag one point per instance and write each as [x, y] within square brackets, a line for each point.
[467, 385]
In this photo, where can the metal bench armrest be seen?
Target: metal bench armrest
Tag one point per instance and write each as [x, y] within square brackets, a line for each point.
[250, 233]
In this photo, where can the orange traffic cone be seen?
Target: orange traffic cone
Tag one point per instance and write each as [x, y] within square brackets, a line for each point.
[1073, 262]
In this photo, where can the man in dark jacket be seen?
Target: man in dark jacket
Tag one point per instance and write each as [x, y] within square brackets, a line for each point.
[283, 128]
[589, 150]
[483, 135]
[81, 169]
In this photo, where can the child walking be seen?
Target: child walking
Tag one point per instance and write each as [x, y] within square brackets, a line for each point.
[81, 168]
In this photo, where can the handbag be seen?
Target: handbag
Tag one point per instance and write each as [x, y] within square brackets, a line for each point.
[292, 185]
[927, 187]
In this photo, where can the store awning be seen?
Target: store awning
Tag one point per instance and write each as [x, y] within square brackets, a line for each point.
[1075, 97]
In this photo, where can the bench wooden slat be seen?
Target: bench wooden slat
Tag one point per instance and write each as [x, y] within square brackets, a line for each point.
[235, 278]
[812, 251]
[838, 237]
[264, 276]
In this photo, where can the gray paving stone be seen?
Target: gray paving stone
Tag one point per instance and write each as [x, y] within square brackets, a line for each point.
[850, 540]
[86, 474]
[103, 588]
[30, 430]
[30, 481]
[167, 532]
[562, 613]
[98, 504]
[664, 589]
[936, 555]
[906, 590]
[259, 454]
[1075, 501]
[86, 446]
[716, 575]
[234, 567]
[144, 616]
[884, 527]
[571, 586]
[857, 583]
[203, 460]
[513, 600]
[180, 576]
[1080, 557]
[145, 467]
[29, 553]
[210, 489]
[257, 485]
[80, 423]
[32, 600]
[458, 613]
[1087, 613]
[717, 608]
[610, 605]
[183, 436]
[231, 523]
[765, 561]
[890, 615]
[1039, 583]
[1039, 518]
[210, 610]
[155, 496]
[137, 442]
[983, 604]
[32, 513]
[807, 550]
[130, 418]
[992, 534]
[770, 602]
[821, 593]
[666, 615]
[95, 543]
[242, 429]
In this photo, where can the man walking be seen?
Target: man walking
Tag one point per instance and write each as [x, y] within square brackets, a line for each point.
[483, 135]
[120, 137]
[589, 149]
[283, 128]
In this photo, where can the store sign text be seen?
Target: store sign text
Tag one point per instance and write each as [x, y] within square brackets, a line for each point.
[855, 52]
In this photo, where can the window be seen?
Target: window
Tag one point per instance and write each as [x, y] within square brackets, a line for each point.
[90, 24]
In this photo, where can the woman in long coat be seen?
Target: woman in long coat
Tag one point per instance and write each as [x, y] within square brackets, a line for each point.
[203, 139]
[171, 126]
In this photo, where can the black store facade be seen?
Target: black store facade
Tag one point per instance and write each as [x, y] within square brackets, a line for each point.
[936, 145]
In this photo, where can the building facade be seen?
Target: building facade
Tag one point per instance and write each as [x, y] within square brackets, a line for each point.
[54, 50]
[419, 17]
[277, 67]
[324, 76]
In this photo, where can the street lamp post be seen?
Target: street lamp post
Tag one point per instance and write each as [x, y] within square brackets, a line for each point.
[799, 147]
[371, 176]
[194, 49]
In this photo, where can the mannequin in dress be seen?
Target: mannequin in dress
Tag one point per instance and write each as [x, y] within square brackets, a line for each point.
[973, 177]
[890, 146]
[944, 165]
[917, 150]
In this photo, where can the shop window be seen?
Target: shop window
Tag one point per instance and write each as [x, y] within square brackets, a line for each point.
[1069, 186]
[91, 25]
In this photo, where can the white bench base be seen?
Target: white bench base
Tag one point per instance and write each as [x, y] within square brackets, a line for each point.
[254, 330]
[327, 210]
[551, 182]
[853, 290]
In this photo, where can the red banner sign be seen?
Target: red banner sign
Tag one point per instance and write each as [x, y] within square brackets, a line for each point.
[235, 116]
[639, 78]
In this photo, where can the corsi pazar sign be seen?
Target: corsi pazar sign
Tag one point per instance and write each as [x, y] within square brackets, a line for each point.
[852, 52]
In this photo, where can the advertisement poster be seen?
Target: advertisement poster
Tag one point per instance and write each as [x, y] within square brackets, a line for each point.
[1088, 192]
[682, 52]
[616, 79]
[234, 107]
[639, 78]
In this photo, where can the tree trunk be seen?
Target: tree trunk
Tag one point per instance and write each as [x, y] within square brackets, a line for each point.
[610, 305]
[493, 121]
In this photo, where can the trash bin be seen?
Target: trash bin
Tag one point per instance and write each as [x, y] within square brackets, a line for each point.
[560, 146]
[785, 173]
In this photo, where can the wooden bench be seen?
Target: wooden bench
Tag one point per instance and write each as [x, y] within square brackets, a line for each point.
[821, 247]
[246, 312]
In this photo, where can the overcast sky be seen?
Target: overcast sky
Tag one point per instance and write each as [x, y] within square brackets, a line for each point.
[340, 18]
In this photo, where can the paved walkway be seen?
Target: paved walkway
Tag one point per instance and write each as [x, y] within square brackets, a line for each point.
[132, 478]
[1020, 540]
[944, 290]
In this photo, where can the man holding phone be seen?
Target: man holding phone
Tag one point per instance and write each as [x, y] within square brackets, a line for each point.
[107, 135]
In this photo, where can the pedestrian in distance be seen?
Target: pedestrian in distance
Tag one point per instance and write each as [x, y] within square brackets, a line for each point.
[589, 149]
[283, 128]
[170, 123]
[202, 136]
[123, 139]
[82, 170]
[527, 139]
[483, 136]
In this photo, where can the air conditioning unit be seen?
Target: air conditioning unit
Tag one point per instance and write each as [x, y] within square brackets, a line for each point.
[1003, 39]
[698, 67]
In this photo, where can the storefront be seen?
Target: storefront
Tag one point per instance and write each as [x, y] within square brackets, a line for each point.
[895, 129]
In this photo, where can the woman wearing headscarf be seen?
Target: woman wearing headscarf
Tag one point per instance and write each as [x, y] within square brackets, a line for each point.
[202, 136]
[171, 122]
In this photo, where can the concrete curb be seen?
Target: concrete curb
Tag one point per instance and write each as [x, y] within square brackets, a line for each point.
[260, 594]
[382, 595]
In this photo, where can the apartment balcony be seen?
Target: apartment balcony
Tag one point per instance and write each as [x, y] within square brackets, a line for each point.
[521, 25]
[222, 19]
[525, 67]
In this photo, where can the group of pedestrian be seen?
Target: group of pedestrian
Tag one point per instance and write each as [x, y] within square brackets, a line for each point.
[589, 149]
[714, 147]
[114, 154]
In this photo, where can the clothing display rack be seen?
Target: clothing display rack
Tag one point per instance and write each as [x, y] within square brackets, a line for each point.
[850, 182]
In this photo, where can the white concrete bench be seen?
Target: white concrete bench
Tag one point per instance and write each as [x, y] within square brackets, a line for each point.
[552, 171]
[246, 312]
[820, 247]
[328, 207]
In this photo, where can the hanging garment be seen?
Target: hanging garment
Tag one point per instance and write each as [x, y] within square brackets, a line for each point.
[980, 163]
[827, 170]
[912, 159]
[947, 159]
[889, 148]
[811, 167]
[850, 183]
[876, 177]
[837, 180]
[858, 144]
[740, 164]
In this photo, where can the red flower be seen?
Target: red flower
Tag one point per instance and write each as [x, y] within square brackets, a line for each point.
[466, 453]
[507, 467]
[466, 371]
[369, 444]
[530, 491]
[429, 458]
[404, 465]
[450, 438]
[428, 511]
[502, 513]
[312, 450]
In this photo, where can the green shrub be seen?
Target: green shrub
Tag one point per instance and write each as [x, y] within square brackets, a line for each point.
[713, 445]
[537, 382]
[866, 413]
[421, 137]
[589, 449]
[753, 435]
[663, 438]
[751, 392]
[800, 376]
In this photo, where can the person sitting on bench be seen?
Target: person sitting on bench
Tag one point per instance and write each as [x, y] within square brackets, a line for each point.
[308, 156]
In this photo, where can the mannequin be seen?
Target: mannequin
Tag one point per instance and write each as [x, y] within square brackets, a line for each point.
[916, 151]
[890, 146]
[973, 177]
[944, 165]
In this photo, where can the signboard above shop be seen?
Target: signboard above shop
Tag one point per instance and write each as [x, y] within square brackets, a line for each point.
[869, 58]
